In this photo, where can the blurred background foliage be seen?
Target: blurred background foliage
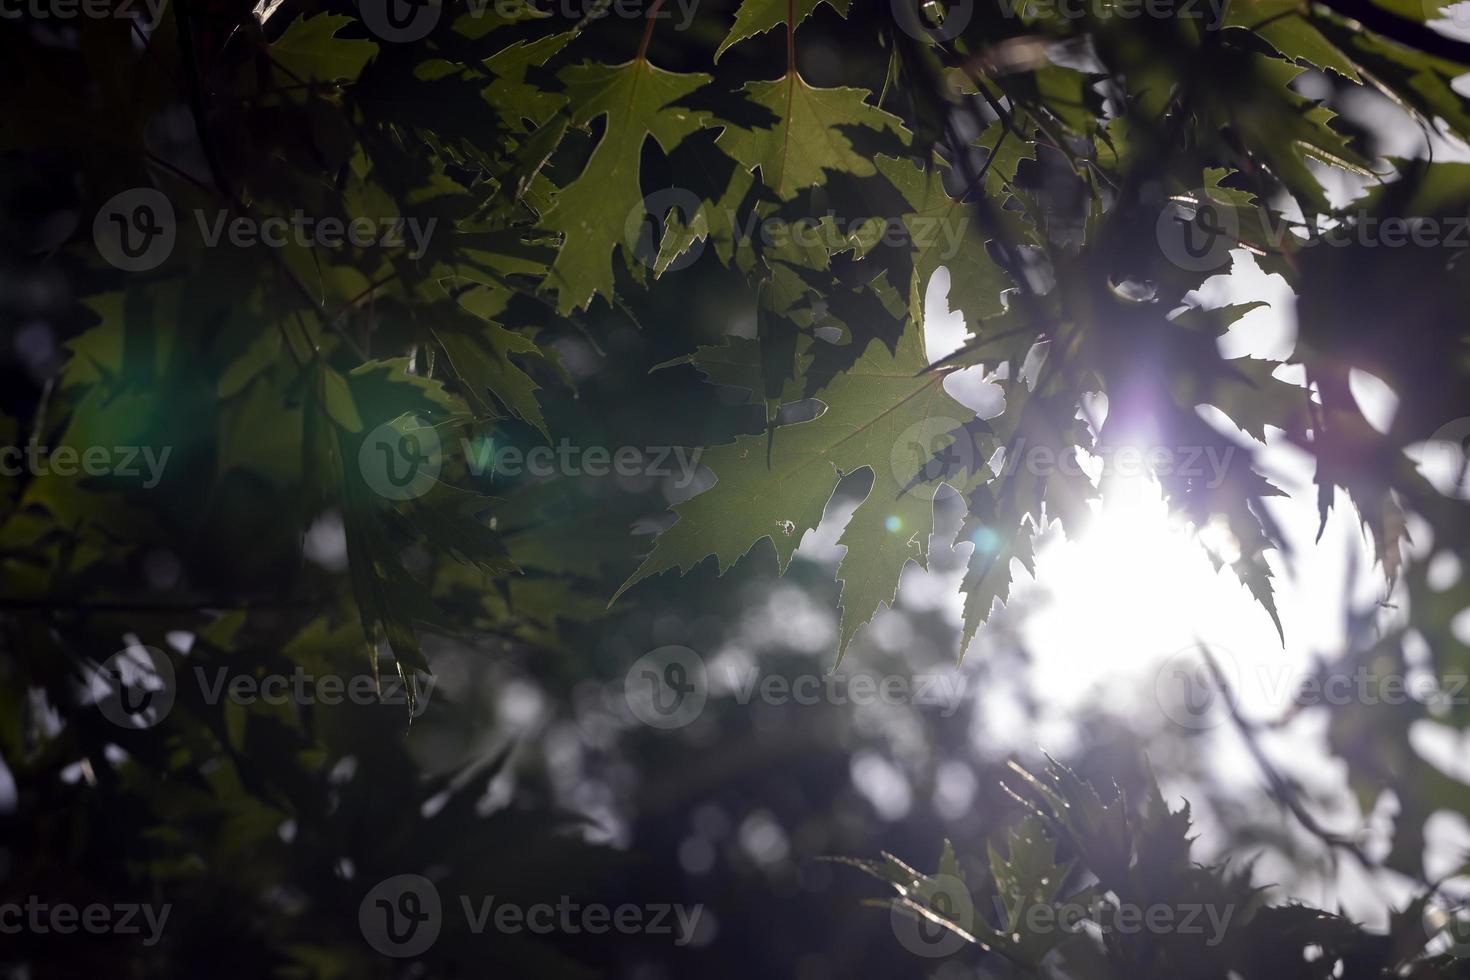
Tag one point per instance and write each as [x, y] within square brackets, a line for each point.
[536, 313]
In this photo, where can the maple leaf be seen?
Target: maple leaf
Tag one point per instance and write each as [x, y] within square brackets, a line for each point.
[1006, 509]
[806, 139]
[511, 93]
[943, 233]
[758, 16]
[885, 533]
[777, 492]
[1290, 131]
[988, 575]
[310, 49]
[479, 354]
[593, 211]
[1284, 25]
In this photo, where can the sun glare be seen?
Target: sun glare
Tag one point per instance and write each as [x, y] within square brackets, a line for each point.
[1134, 589]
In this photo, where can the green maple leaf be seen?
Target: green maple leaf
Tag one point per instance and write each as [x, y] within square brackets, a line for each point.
[776, 489]
[1005, 515]
[593, 211]
[882, 537]
[1246, 389]
[758, 16]
[514, 97]
[1029, 873]
[1420, 82]
[310, 50]
[480, 356]
[1285, 26]
[806, 140]
[736, 364]
[943, 232]
[988, 576]
[1293, 129]
[1006, 154]
[388, 598]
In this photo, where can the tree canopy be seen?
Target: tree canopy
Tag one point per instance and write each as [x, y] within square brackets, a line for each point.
[342, 334]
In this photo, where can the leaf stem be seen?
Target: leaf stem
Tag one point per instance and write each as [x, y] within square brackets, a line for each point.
[648, 30]
[790, 37]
